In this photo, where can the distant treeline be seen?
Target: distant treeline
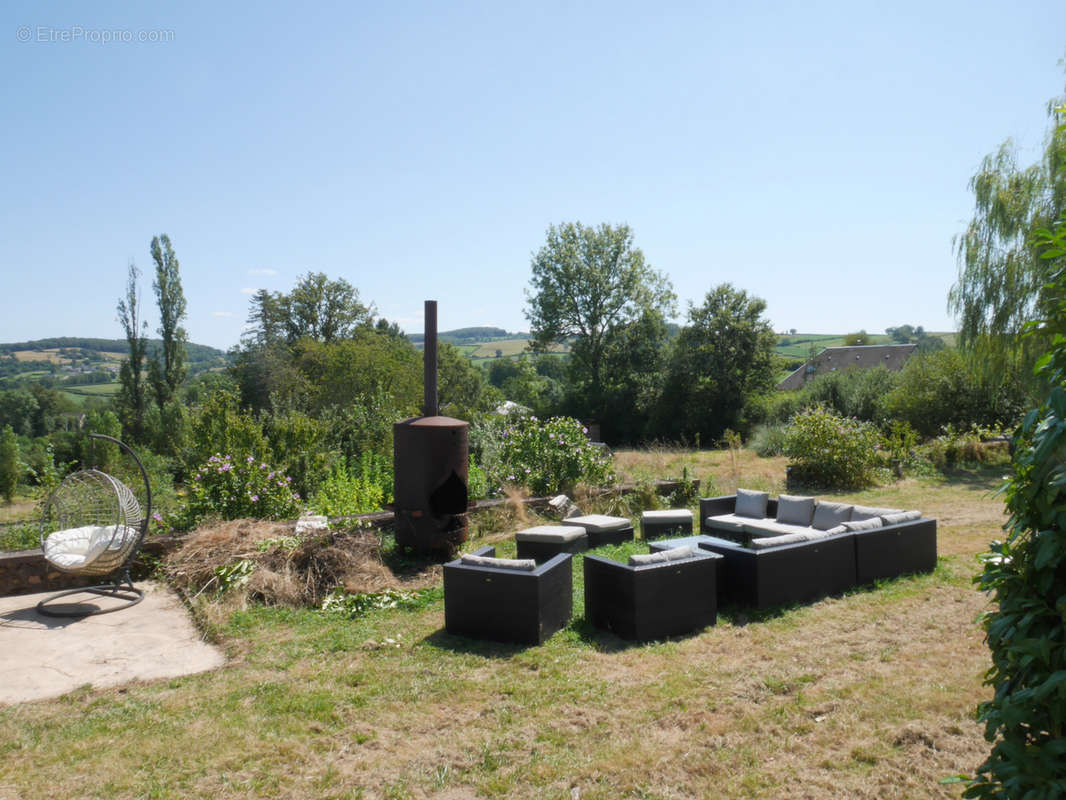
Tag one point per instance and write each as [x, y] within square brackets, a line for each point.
[197, 353]
[470, 335]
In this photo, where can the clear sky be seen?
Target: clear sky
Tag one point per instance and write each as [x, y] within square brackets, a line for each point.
[815, 154]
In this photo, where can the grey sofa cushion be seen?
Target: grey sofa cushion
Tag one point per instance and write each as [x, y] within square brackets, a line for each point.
[868, 512]
[795, 510]
[663, 556]
[829, 515]
[522, 564]
[902, 516]
[863, 524]
[751, 504]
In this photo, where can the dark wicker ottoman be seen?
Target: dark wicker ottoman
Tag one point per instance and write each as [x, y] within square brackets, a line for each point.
[669, 522]
[544, 541]
[603, 529]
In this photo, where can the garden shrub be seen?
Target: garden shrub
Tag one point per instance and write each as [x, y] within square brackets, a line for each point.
[549, 457]
[359, 490]
[232, 488]
[768, 439]
[220, 425]
[943, 388]
[830, 451]
[1026, 574]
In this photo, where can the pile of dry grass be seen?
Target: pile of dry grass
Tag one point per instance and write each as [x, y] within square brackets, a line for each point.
[285, 569]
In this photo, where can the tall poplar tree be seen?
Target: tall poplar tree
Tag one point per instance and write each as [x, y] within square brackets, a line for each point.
[167, 370]
[131, 400]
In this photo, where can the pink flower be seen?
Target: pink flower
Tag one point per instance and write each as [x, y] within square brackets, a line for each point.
[255, 498]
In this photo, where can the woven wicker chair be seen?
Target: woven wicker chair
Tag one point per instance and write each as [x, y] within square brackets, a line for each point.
[92, 526]
[505, 605]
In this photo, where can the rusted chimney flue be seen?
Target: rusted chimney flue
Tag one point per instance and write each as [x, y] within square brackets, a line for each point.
[429, 358]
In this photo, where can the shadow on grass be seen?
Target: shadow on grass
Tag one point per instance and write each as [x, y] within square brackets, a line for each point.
[442, 640]
[977, 476]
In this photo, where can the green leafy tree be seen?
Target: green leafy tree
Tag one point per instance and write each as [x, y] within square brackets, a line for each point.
[167, 373]
[19, 409]
[587, 285]
[1001, 277]
[462, 389]
[131, 398]
[317, 308]
[856, 339]
[720, 359]
[946, 388]
[1026, 573]
[10, 463]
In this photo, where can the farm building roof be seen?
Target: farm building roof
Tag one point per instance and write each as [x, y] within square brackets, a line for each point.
[832, 359]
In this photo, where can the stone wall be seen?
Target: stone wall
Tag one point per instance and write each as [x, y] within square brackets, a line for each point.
[26, 571]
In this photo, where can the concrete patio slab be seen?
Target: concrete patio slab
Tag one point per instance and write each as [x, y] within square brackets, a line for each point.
[49, 656]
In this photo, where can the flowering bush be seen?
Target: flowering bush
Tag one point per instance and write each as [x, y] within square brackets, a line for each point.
[830, 451]
[242, 488]
[547, 457]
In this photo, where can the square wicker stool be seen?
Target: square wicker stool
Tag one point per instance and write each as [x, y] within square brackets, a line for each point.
[669, 522]
[603, 529]
[544, 541]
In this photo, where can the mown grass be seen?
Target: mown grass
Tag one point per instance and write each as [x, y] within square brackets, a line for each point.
[868, 695]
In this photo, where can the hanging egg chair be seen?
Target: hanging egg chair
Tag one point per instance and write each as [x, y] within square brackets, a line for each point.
[92, 526]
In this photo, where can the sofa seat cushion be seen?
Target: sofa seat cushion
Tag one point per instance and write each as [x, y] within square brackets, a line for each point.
[902, 516]
[599, 522]
[727, 522]
[768, 527]
[76, 547]
[868, 512]
[795, 510]
[809, 535]
[662, 556]
[830, 515]
[554, 534]
[751, 504]
[520, 564]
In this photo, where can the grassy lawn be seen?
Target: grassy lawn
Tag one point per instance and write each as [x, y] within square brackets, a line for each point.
[868, 695]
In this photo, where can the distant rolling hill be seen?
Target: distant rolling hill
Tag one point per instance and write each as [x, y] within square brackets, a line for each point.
[84, 367]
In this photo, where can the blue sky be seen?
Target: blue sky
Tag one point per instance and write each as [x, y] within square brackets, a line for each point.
[813, 154]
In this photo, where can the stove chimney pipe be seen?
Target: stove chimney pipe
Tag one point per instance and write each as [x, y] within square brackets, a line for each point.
[429, 357]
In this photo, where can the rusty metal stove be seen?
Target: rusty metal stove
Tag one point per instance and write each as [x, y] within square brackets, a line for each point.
[430, 467]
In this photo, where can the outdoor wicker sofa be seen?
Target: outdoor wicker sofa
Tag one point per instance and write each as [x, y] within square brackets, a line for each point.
[525, 606]
[644, 601]
[768, 562]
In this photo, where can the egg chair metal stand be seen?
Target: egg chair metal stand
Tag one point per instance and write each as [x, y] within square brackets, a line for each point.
[92, 525]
